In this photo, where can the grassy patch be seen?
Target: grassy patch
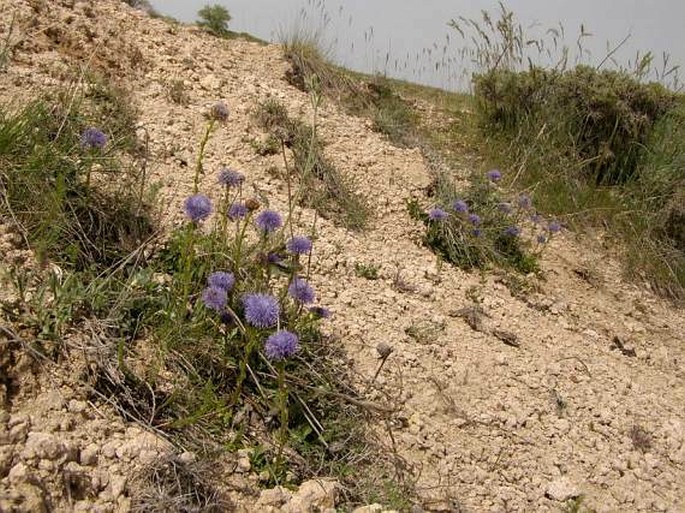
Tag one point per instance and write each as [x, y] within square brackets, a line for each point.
[322, 187]
[49, 180]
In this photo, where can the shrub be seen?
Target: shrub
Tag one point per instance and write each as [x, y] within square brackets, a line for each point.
[215, 18]
[603, 118]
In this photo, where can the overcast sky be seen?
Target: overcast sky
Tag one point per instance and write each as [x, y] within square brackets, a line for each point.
[395, 36]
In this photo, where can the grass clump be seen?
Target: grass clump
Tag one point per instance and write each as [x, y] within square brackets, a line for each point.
[322, 186]
[602, 119]
[57, 180]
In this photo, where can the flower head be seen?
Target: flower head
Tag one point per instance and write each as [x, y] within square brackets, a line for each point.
[477, 232]
[512, 231]
[221, 280]
[269, 221]
[230, 178]
[505, 208]
[437, 214]
[214, 298]
[93, 138]
[282, 344]
[536, 218]
[541, 239]
[237, 211]
[261, 310]
[475, 219]
[460, 206]
[524, 201]
[299, 245]
[219, 112]
[301, 291]
[554, 227]
[197, 207]
[494, 175]
[320, 312]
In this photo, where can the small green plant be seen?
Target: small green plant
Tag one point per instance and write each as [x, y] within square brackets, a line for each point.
[176, 91]
[215, 18]
[367, 271]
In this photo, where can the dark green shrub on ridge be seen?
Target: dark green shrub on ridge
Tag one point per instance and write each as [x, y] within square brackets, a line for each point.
[601, 117]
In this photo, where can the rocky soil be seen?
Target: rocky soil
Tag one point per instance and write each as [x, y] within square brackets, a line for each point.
[573, 386]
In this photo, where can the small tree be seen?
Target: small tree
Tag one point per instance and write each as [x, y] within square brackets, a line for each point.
[215, 19]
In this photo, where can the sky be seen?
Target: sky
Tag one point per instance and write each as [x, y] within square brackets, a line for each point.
[412, 40]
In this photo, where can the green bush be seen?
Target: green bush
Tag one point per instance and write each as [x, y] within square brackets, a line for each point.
[602, 118]
[215, 19]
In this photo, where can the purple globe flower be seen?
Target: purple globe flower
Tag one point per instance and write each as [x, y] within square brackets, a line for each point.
[197, 207]
[541, 239]
[269, 221]
[219, 111]
[320, 312]
[237, 211]
[554, 227]
[525, 202]
[477, 232]
[460, 206]
[494, 175]
[93, 138]
[230, 178]
[282, 344]
[437, 214]
[301, 291]
[512, 231]
[505, 208]
[475, 219]
[261, 310]
[536, 218]
[221, 280]
[299, 245]
[274, 258]
[214, 298]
